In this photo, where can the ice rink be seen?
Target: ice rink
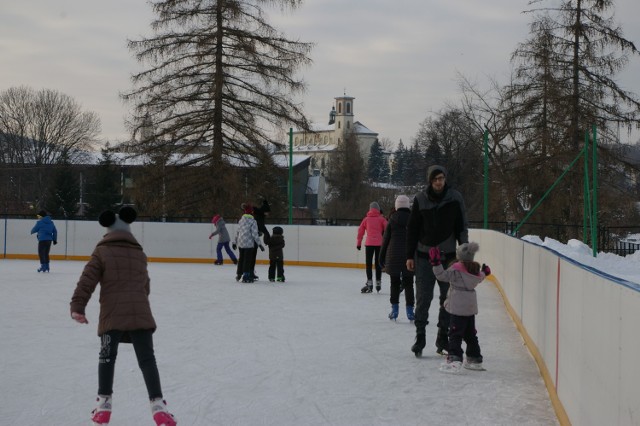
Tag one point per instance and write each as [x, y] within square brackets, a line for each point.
[310, 351]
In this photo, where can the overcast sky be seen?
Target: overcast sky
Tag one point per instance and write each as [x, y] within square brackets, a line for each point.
[398, 58]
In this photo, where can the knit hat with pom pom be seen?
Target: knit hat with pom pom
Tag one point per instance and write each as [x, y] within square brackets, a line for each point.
[119, 221]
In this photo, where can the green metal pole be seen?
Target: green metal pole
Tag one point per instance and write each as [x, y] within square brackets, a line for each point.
[586, 211]
[575, 160]
[486, 178]
[594, 198]
[290, 176]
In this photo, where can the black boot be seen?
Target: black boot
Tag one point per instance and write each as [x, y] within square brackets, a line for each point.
[418, 346]
[442, 341]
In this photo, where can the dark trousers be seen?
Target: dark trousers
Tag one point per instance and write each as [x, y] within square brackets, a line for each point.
[463, 328]
[425, 283]
[276, 269]
[143, 346]
[226, 247]
[245, 262]
[44, 247]
[404, 281]
[371, 253]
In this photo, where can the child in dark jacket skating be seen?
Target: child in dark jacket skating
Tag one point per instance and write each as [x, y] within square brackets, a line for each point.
[463, 277]
[119, 264]
[276, 255]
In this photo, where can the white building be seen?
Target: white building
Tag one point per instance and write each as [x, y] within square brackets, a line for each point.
[323, 140]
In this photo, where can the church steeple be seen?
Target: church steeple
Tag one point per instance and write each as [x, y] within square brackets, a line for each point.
[344, 113]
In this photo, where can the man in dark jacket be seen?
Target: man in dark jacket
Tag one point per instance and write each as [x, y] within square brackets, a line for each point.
[438, 219]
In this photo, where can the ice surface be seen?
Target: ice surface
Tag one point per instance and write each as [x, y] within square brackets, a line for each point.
[310, 351]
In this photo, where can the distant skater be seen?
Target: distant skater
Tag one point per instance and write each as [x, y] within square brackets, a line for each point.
[223, 240]
[119, 265]
[393, 258]
[373, 225]
[46, 234]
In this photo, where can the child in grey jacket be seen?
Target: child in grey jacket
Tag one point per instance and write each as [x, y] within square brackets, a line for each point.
[463, 277]
[223, 240]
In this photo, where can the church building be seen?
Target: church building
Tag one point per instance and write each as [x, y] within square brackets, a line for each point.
[323, 140]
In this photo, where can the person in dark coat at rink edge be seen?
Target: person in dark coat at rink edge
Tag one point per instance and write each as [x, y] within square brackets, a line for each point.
[393, 257]
[438, 219]
[260, 214]
[46, 234]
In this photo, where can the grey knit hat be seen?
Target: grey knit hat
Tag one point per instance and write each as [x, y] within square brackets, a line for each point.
[374, 205]
[466, 251]
[434, 171]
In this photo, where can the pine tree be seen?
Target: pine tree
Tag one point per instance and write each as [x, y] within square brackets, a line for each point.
[220, 80]
[105, 190]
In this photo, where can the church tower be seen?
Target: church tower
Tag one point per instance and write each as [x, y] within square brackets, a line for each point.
[344, 117]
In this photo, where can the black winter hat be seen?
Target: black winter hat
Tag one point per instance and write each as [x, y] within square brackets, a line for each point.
[277, 230]
[43, 213]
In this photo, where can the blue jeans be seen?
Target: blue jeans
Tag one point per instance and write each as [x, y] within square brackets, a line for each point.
[226, 247]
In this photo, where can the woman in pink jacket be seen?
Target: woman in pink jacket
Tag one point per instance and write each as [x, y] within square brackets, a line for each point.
[373, 224]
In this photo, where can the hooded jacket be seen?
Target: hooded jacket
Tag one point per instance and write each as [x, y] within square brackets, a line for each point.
[46, 229]
[394, 243]
[221, 229]
[437, 220]
[461, 298]
[119, 264]
[247, 233]
[373, 224]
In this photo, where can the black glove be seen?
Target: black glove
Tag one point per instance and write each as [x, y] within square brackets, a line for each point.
[486, 270]
[434, 256]
[261, 247]
[55, 242]
[358, 247]
[234, 246]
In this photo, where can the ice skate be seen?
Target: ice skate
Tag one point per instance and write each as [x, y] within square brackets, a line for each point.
[393, 315]
[378, 286]
[102, 413]
[474, 364]
[419, 345]
[218, 262]
[410, 314]
[280, 279]
[451, 366]
[247, 278]
[368, 287]
[161, 414]
[41, 268]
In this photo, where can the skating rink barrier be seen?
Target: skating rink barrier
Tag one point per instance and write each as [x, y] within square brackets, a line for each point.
[580, 325]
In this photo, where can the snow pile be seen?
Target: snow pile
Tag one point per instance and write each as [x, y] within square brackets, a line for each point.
[624, 267]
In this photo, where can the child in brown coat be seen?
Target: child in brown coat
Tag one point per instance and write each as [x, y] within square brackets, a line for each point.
[119, 264]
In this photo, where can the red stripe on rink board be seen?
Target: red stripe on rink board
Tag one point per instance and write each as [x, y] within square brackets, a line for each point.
[557, 322]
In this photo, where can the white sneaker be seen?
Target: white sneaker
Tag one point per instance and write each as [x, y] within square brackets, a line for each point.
[161, 414]
[102, 413]
[452, 367]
